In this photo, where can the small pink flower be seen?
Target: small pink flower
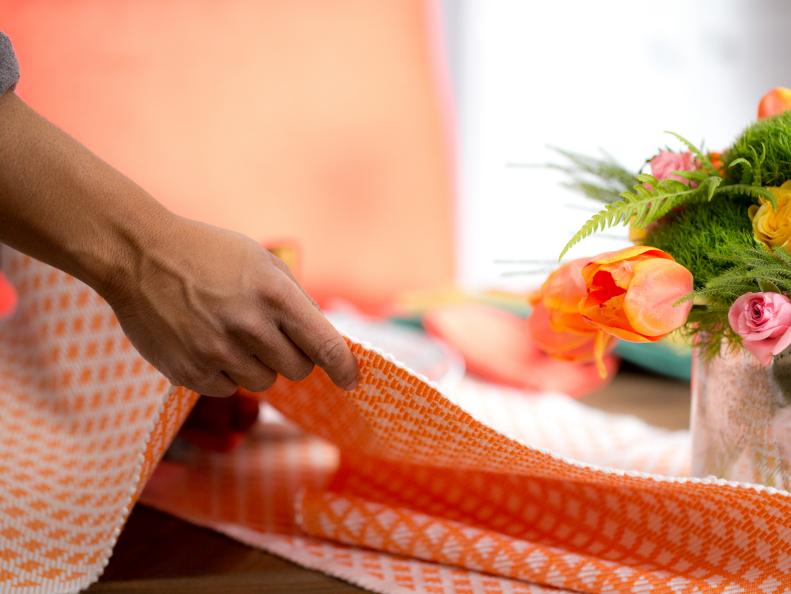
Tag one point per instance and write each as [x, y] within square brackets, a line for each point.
[666, 162]
[763, 321]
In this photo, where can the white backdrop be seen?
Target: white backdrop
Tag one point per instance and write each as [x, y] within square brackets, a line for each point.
[582, 75]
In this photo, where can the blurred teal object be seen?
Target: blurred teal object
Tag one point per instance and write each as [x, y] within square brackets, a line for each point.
[663, 357]
[408, 321]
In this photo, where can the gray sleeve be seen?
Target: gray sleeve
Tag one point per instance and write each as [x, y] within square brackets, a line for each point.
[9, 67]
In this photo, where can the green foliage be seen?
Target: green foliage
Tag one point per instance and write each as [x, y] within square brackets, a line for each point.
[749, 270]
[761, 156]
[755, 192]
[708, 329]
[695, 235]
[602, 179]
[649, 200]
[712, 238]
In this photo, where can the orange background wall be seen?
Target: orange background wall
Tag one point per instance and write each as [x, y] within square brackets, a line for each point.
[319, 121]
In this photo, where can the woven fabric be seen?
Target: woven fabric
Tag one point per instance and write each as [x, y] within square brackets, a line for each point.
[83, 422]
[249, 494]
[407, 491]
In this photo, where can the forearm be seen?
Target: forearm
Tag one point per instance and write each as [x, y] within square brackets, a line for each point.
[63, 205]
[210, 308]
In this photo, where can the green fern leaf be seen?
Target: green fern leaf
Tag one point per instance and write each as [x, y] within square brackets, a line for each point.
[601, 179]
[749, 190]
[711, 186]
[747, 169]
[649, 200]
[703, 158]
[768, 286]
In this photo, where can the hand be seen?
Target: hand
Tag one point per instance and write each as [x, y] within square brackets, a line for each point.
[213, 310]
[209, 308]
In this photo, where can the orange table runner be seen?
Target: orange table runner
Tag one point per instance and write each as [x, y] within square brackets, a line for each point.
[430, 492]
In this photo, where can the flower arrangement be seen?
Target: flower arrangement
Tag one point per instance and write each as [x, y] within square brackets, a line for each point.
[712, 255]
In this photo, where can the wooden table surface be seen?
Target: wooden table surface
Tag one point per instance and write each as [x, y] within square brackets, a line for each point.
[158, 554]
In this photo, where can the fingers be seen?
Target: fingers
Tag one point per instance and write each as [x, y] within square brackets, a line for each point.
[310, 331]
[247, 371]
[285, 334]
[217, 384]
[236, 369]
[275, 350]
[283, 267]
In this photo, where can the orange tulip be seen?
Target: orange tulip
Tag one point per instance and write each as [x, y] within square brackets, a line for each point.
[774, 102]
[633, 293]
[556, 325]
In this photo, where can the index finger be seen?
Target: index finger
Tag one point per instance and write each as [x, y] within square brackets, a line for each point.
[307, 327]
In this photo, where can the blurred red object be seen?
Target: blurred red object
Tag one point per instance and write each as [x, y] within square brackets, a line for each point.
[497, 346]
[8, 297]
[774, 102]
[220, 424]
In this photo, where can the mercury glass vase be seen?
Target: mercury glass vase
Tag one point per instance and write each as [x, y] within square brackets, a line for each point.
[741, 418]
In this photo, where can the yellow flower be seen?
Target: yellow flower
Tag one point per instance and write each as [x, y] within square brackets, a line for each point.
[773, 227]
[636, 234]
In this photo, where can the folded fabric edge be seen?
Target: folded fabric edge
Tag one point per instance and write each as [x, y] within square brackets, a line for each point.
[342, 518]
[147, 459]
[603, 470]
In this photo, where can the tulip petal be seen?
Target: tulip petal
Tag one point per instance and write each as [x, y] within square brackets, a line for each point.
[557, 343]
[627, 253]
[573, 323]
[599, 349]
[564, 288]
[604, 287]
[609, 316]
[622, 273]
[774, 102]
[622, 333]
[651, 301]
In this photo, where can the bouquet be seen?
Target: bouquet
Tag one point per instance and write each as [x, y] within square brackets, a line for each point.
[712, 234]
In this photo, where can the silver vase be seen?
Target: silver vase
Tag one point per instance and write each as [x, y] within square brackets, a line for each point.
[741, 418]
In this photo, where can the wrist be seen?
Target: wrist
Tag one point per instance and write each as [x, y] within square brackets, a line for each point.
[111, 263]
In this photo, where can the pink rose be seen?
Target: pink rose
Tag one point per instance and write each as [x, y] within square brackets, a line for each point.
[763, 321]
[666, 162]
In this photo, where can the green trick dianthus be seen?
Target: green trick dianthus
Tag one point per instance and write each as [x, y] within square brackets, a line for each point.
[766, 148]
[697, 234]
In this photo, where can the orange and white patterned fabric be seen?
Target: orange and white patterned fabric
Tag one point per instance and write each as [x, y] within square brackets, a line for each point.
[83, 422]
[408, 490]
